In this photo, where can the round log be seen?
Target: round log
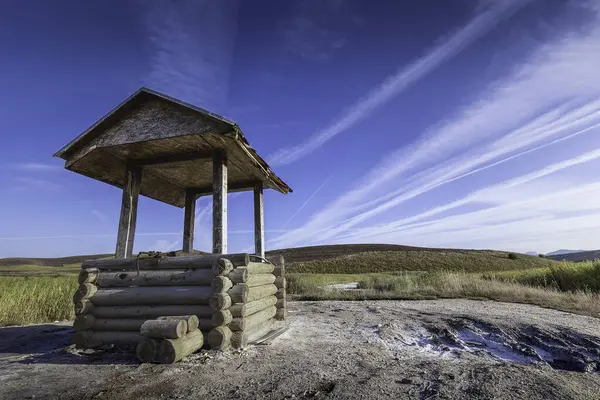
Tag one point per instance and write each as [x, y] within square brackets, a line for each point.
[152, 312]
[221, 318]
[276, 259]
[279, 271]
[281, 314]
[91, 339]
[197, 261]
[221, 284]
[259, 292]
[165, 277]
[222, 266]
[260, 279]
[205, 324]
[252, 321]
[281, 303]
[244, 309]
[118, 324]
[147, 350]
[191, 320]
[258, 268]
[163, 329]
[83, 322]
[280, 282]
[173, 350]
[239, 275]
[83, 307]
[219, 338]
[151, 295]
[85, 291]
[280, 293]
[239, 293]
[88, 275]
[220, 301]
[241, 339]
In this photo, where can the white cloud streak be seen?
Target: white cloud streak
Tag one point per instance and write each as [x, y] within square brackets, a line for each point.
[551, 98]
[193, 44]
[402, 79]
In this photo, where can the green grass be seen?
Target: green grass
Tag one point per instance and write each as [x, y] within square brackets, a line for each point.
[36, 299]
[426, 260]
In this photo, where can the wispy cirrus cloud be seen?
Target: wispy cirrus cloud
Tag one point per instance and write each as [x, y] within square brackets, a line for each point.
[35, 167]
[394, 84]
[192, 49]
[550, 99]
[315, 29]
[22, 183]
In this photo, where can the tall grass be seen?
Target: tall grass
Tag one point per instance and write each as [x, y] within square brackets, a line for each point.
[564, 276]
[27, 300]
[440, 285]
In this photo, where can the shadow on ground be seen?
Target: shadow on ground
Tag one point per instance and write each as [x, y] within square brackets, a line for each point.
[51, 344]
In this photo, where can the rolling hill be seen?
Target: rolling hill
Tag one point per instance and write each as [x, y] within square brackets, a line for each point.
[578, 256]
[351, 258]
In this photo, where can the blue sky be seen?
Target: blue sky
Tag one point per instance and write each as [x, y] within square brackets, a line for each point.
[466, 123]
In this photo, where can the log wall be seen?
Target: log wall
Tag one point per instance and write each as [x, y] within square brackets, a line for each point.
[234, 299]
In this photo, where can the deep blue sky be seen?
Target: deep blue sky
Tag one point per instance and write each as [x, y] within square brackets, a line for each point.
[466, 123]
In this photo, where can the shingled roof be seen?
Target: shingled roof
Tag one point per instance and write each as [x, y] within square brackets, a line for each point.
[174, 142]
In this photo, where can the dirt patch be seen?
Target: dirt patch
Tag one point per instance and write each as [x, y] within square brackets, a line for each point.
[374, 349]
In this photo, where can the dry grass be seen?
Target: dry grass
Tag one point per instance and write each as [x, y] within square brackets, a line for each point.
[29, 300]
[564, 276]
[437, 285]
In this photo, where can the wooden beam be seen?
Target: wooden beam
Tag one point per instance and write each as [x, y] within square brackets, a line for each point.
[259, 221]
[188, 221]
[231, 188]
[128, 217]
[170, 158]
[219, 191]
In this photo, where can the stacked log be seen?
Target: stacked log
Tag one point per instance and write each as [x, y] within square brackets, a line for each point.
[232, 299]
[115, 297]
[168, 339]
[280, 282]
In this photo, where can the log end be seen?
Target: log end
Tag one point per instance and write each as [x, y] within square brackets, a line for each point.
[223, 317]
[147, 350]
[222, 266]
[83, 322]
[220, 301]
[219, 338]
[221, 284]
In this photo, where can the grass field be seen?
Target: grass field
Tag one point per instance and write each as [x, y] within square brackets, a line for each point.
[36, 299]
[35, 293]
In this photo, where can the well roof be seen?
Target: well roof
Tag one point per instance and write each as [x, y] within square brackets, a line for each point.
[150, 128]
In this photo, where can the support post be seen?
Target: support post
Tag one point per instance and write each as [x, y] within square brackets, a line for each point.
[129, 204]
[220, 203]
[259, 221]
[188, 221]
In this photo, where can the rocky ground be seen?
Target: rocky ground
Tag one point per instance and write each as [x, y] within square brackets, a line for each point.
[443, 349]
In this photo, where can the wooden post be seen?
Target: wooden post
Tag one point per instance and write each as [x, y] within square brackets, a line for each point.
[188, 221]
[129, 204]
[220, 203]
[259, 221]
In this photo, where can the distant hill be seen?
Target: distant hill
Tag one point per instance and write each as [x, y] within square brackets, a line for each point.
[563, 251]
[49, 262]
[532, 253]
[350, 258]
[577, 256]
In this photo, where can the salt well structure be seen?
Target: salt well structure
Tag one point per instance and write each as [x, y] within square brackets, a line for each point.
[157, 146]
